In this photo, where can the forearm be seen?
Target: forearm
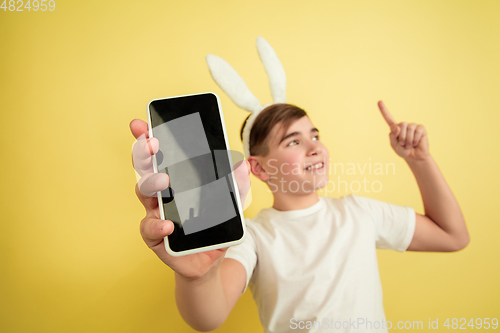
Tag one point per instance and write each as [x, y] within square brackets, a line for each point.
[202, 302]
[439, 202]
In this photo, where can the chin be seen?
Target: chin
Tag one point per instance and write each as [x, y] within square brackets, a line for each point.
[316, 183]
[322, 183]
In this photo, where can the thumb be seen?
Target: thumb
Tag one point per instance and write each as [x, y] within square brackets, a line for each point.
[395, 131]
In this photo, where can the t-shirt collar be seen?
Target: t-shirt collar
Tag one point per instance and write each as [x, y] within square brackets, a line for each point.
[274, 213]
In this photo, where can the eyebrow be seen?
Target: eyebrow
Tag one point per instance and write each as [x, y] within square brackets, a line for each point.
[313, 130]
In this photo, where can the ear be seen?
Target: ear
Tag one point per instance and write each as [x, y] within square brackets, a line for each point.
[274, 70]
[232, 84]
[257, 169]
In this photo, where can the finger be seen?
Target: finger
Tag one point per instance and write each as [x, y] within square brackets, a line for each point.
[410, 133]
[217, 255]
[393, 136]
[138, 127]
[402, 135]
[142, 154]
[153, 230]
[419, 134]
[389, 119]
[149, 203]
[150, 184]
[146, 146]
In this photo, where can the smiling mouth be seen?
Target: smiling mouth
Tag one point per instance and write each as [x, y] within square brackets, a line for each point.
[316, 166]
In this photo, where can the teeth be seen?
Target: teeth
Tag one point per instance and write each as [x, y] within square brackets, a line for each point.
[315, 166]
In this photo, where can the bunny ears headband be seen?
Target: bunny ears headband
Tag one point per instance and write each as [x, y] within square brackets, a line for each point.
[234, 86]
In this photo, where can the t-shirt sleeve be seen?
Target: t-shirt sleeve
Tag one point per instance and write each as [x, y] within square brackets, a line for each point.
[245, 252]
[394, 224]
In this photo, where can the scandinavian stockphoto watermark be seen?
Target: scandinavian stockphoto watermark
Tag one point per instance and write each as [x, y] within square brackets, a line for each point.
[332, 324]
[366, 325]
[328, 176]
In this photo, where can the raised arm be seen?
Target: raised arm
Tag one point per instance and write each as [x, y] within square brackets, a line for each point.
[442, 228]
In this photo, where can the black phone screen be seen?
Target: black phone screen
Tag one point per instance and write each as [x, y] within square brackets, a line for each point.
[200, 199]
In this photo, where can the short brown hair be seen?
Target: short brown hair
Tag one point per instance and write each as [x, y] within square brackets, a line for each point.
[266, 120]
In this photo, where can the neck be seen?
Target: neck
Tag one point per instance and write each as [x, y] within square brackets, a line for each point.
[294, 201]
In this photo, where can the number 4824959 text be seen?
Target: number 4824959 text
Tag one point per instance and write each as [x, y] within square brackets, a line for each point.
[21, 6]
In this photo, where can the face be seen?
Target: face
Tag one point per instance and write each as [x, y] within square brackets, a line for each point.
[297, 161]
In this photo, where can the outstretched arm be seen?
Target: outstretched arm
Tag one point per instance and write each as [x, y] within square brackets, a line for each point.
[442, 228]
[207, 285]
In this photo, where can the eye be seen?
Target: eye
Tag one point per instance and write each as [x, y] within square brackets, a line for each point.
[316, 138]
[293, 143]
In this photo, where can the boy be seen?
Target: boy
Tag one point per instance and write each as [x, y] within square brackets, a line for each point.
[310, 261]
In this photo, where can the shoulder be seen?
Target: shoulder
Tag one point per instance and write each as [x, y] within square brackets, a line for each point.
[372, 205]
[254, 222]
[254, 225]
[258, 225]
[355, 206]
[357, 202]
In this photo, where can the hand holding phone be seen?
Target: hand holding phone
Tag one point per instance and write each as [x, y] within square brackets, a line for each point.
[153, 229]
[202, 198]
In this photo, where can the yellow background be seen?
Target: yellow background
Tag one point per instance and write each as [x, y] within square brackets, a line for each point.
[72, 80]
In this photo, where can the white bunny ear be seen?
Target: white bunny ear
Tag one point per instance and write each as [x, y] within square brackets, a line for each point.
[232, 84]
[274, 69]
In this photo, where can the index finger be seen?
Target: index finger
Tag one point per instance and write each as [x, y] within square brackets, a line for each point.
[389, 119]
[139, 127]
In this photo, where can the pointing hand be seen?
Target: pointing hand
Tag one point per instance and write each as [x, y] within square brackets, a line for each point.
[408, 140]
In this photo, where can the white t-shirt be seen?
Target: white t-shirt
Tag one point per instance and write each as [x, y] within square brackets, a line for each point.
[316, 269]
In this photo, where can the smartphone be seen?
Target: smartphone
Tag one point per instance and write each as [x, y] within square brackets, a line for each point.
[202, 199]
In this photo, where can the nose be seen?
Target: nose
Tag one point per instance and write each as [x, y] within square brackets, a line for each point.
[314, 148]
